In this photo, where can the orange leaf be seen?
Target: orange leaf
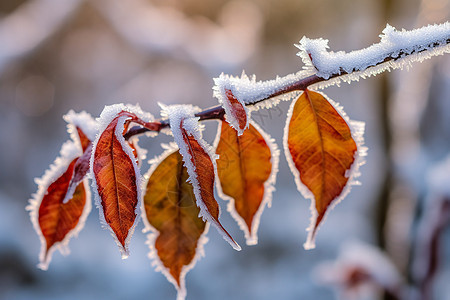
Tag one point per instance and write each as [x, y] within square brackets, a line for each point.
[244, 167]
[321, 153]
[202, 176]
[117, 183]
[170, 207]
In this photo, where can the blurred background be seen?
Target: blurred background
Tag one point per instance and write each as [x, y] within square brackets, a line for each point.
[78, 54]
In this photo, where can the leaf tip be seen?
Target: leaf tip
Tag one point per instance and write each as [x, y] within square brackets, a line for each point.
[236, 246]
[310, 243]
[43, 265]
[252, 241]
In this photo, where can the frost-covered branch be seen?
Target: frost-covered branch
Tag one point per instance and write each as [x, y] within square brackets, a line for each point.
[401, 47]
[396, 49]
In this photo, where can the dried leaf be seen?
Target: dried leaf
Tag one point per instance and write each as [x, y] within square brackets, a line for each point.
[204, 183]
[172, 215]
[321, 151]
[246, 169]
[116, 182]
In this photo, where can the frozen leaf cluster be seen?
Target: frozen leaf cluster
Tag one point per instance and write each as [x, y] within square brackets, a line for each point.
[176, 198]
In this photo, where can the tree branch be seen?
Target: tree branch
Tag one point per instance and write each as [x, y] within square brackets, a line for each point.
[284, 85]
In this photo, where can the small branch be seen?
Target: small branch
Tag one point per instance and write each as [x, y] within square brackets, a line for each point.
[393, 44]
[390, 59]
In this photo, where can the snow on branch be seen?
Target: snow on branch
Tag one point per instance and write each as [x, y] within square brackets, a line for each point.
[396, 48]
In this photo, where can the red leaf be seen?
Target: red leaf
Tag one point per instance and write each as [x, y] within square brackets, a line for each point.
[55, 218]
[117, 182]
[55, 221]
[237, 110]
[61, 205]
[202, 177]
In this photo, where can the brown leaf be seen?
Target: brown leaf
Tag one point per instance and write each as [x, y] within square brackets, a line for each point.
[322, 150]
[117, 184]
[57, 220]
[203, 183]
[244, 168]
[61, 205]
[237, 110]
[171, 211]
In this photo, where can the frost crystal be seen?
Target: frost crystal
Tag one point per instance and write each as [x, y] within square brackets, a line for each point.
[396, 49]
[248, 91]
[82, 120]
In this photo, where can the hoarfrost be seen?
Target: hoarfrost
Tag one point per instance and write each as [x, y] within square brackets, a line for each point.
[396, 49]
[221, 89]
[249, 91]
[82, 120]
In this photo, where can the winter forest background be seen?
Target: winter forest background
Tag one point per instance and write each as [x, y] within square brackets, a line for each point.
[78, 54]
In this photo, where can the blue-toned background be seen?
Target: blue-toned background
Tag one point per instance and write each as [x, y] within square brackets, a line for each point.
[77, 54]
